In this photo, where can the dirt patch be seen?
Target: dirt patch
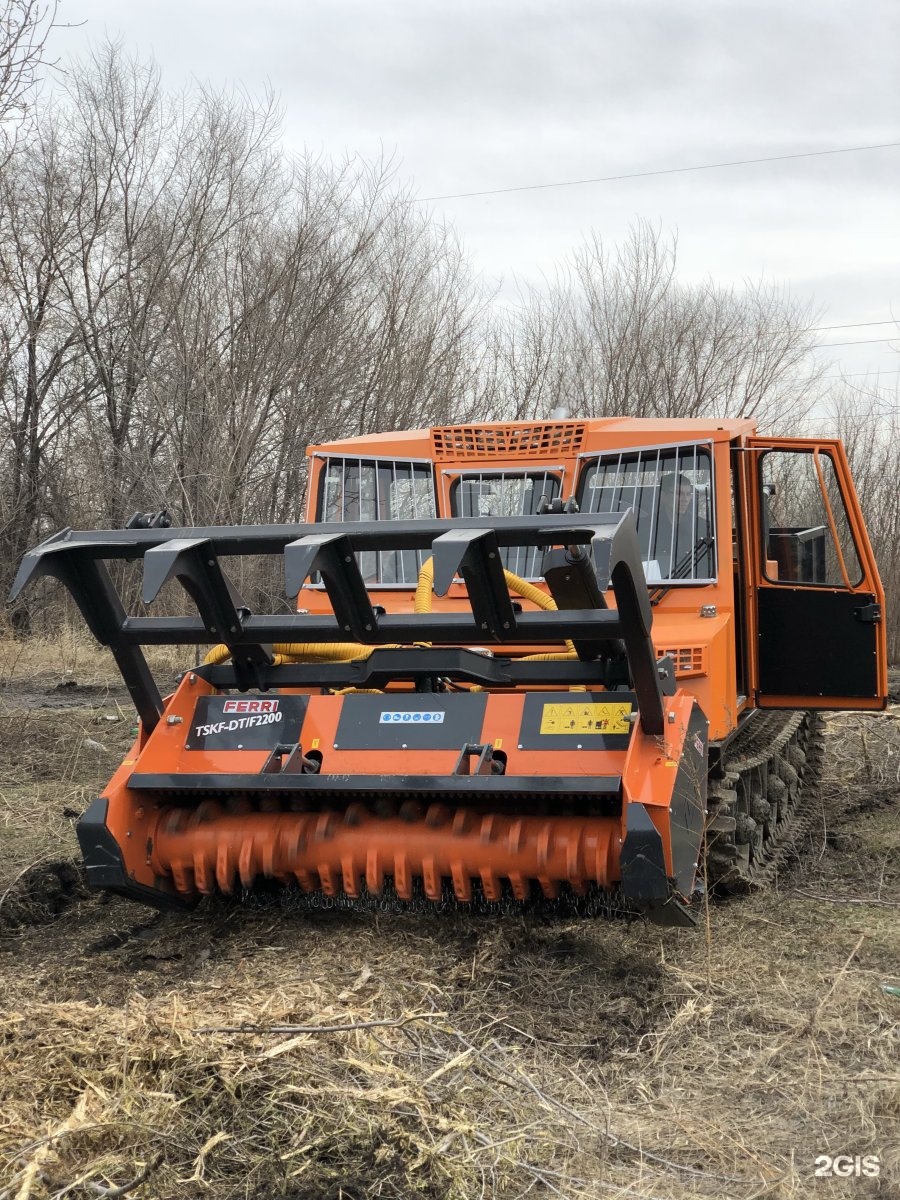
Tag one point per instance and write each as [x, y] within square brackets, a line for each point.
[61, 695]
[40, 894]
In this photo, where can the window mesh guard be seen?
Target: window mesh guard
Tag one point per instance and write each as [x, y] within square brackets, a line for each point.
[366, 489]
[670, 491]
[506, 494]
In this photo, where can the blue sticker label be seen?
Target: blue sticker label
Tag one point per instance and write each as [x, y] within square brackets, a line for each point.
[411, 718]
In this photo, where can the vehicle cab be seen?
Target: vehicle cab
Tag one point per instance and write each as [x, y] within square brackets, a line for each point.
[762, 579]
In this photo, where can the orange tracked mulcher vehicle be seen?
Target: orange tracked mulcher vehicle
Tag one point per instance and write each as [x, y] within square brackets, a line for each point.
[569, 661]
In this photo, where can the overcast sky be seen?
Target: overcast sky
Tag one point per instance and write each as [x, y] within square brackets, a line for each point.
[480, 94]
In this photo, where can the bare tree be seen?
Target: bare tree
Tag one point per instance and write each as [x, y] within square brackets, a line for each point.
[619, 334]
[40, 377]
[183, 310]
[161, 180]
[527, 351]
[24, 28]
[867, 420]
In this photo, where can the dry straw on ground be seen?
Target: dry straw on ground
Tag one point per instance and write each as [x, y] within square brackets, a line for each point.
[541, 1086]
[453, 1058]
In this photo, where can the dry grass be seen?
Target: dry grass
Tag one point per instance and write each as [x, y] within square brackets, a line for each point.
[473, 1057]
[69, 652]
[517, 1070]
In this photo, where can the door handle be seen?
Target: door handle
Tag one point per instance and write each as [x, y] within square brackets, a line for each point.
[868, 614]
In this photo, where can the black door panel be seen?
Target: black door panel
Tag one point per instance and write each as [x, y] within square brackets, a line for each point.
[812, 643]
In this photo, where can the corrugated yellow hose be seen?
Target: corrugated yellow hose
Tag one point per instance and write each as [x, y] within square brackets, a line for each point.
[529, 592]
[287, 652]
[515, 583]
[424, 587]
[325, 651]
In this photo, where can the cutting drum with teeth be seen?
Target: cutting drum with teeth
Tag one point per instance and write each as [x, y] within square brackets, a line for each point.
[572, 663]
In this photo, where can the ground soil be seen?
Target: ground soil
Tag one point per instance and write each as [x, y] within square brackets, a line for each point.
[539, 1058]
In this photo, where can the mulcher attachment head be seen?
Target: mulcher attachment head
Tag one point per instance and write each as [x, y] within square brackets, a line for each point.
[519, 783]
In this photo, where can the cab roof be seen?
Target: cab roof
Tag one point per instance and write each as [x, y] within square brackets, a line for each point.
[537, 439]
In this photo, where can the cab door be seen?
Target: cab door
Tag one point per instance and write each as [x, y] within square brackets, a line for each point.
[816, 603]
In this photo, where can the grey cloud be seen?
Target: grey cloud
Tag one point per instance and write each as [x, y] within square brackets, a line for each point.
[475, 94]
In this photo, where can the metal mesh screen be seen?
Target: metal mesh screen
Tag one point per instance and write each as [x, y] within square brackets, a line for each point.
[506, 494]
[671, 493]
[365, 489]
[543, 440]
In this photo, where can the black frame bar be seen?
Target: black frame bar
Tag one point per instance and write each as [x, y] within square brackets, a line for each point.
[418, 665]
[468, 546]
[468, 787]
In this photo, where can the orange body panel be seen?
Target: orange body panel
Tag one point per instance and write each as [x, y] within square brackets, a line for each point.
[678, 624]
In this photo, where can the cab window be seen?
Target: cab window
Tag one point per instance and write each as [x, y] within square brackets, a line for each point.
[370, 489]
[506, 494]
[806, 532]
[670, 492]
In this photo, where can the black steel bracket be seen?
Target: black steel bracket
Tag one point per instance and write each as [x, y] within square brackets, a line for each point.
[572, 579]
[193, 562]
[287, 758]
[331, 555]
[483, 756]
[68, 558]
[475, 554]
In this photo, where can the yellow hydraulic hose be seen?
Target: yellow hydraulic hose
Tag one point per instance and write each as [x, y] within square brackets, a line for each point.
[424, 587]
[324, 651]
[347, 651]
[304, 652]
[515, 583]
[529, 592]
[218, 654]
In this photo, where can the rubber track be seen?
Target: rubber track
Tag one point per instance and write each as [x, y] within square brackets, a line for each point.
[764, 739]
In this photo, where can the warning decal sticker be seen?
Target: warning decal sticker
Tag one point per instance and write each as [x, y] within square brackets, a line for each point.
[411, 721]
[585, 718]
[577, 721]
